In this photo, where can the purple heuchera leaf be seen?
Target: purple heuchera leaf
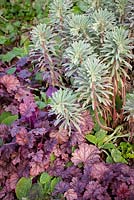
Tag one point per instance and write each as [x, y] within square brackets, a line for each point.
[21, 62]
[71, 172]
[50, 91]
[3, 131]
[57, 168]
[94, 191]
[78, 185]
[61, 187]
[123, 192]
[38, 131]
[23, 74]
[86, 154]
[98, 170]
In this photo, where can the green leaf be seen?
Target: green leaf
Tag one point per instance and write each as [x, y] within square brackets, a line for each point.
[38, 76]
[41, 104]
[52, 157]
[3, 39]
[43, 96]
[4, 115]
[130, 155]
[101, 134]
[23, 187]
[7, 57]
[53, 183]
[11, 70]
[76, 10]
[45, 178]
[16, 52]
[109, 159]
[9, 120]
[108, 146]
[101, 137]
[36, 192]
[91, 138]
[116, 155]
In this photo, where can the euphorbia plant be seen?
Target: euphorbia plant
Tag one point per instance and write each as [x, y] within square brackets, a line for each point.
[70, 40]
[69, 113]
[116, 52]
[93, 86]
[43, 49]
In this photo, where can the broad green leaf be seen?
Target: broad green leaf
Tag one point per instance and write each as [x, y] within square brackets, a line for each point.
[92, 139]
[45, 178]
[4, 115]
[9, 120]
[117, 157]
[101, 137]
[109, 159]
[76, 10]
[130, 155]
[3, 39]
[41, 104]
[16, 52]
[11, 70]
[23, 187]
[36, 192]
[53, 183]
[108, 146]
[7, 57]
[101, 134]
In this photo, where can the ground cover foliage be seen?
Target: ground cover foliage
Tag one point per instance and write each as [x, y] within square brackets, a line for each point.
[66, 100]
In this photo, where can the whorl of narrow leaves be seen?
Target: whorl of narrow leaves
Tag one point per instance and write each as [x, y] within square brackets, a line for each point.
[93, 76]
[121, 6]
[64, 105]
[102, 20]
[41, 34]
[94, 4]
[117, 48]
[76, 53]
[58, 10]
[78, 25]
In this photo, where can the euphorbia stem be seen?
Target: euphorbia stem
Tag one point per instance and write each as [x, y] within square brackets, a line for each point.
[114, 96]
[46, 54]
[95, 105]
[123, 96]
[100, 124]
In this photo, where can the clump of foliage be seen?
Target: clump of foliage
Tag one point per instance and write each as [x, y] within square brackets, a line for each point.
[64, 105]
[66, 120]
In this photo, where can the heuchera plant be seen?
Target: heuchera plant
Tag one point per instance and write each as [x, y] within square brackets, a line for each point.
[56, 101]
